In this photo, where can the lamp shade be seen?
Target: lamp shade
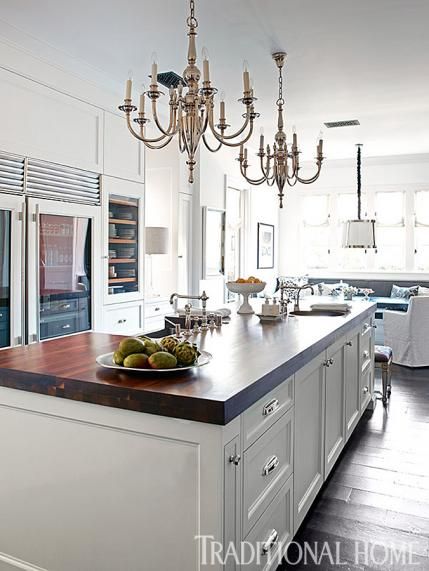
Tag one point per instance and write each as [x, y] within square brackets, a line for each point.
[156, 240]
[359, 234]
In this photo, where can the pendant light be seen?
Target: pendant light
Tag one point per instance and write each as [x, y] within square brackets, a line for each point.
[359, 233]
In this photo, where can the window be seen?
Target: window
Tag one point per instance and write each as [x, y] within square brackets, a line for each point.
[390, 232]
[316, 231]
[421, 231]
[402, 231]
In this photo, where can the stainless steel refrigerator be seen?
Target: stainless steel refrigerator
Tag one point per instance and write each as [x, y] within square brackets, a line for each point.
[49, 227]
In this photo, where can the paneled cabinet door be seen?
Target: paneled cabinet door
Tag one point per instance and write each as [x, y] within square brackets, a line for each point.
[352, 382]
[309, 435]
[335, 433]
[123, 153]
[232, 499]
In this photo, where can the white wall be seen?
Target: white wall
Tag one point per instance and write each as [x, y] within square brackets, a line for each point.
[400, 172]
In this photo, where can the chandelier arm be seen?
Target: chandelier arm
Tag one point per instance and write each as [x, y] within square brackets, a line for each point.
[313, 178]
[172, 128]
[239, 143]
[157, 147]
[292, 182]
[140, 136]
[267, 168]
[208, 146]
[251, 180]
[220, 136]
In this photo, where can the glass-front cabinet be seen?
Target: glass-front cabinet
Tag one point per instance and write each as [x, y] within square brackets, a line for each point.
[124, 256]
[62, 268]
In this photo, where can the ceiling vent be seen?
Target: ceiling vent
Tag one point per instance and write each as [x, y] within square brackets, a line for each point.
[350, 123]
[170, 79]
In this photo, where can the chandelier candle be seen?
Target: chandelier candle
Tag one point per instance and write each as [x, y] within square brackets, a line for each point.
[191, 108]
[275, 165]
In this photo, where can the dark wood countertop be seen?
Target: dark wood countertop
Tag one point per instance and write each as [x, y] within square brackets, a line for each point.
[249, 360]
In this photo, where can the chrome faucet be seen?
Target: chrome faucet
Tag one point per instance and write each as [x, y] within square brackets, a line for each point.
[203, 298]
[300, 288]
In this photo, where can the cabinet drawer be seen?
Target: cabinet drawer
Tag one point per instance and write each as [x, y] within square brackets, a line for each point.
[264, 413]
[366, 344]
[121, 319]
[266, 466]
[273, 531]
[157, 309]
[366, 386]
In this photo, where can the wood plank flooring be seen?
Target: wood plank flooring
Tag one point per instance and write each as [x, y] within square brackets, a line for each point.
[378, 492]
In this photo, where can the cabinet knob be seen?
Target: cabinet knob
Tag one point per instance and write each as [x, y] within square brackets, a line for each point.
[349, 343]
[365, 389]
[67, 326]
[122, 320]
[235, 459]
[157, 308]
[269, 543]
[366, 354]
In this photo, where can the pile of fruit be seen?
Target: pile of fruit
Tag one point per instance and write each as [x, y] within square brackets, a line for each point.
[250, 280]
[146, 353]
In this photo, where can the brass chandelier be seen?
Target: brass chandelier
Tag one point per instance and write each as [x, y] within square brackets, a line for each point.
[275, 164]
[191, 108]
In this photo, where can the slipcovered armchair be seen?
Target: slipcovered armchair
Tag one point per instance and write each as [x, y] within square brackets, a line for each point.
[408, 333]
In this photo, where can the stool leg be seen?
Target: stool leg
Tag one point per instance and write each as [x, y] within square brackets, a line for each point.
[384, 378]
[389, 380]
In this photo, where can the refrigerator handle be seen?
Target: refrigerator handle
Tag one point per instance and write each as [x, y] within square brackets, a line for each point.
[35, 218]
[22, 218]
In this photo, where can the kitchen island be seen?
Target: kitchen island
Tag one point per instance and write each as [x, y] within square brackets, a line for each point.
[237, 450]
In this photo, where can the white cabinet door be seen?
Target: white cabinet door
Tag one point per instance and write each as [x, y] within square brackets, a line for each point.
[44, 124]
[309, 435]
[123, 153]
[352, 382]
[232, 499]
[335, 434]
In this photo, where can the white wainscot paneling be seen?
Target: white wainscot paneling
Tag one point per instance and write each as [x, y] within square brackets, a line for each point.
[42, 123]
[123, 153]
[94, 498]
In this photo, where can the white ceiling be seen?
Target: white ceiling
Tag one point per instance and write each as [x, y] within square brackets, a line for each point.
[348, 59]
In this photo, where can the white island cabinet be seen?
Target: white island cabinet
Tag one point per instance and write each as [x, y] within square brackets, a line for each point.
[96, 488]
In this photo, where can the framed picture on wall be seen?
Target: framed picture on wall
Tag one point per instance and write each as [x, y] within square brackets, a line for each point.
[265, 246]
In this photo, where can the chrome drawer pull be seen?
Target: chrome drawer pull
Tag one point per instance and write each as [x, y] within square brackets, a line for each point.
[270, 542]
[270, 407]
[270, 466]
[65, 306]
[67, 326]
[366, 354]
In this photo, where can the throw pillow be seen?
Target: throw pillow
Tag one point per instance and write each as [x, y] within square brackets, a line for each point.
[404, 292]
[423, 290]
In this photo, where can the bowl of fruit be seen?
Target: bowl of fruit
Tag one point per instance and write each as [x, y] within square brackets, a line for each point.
[246, 287]
[147, 355]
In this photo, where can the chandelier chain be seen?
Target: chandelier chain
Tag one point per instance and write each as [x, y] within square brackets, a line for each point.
[191, 20]
[280, 100]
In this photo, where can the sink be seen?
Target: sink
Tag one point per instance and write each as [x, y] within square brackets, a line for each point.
[318, 313]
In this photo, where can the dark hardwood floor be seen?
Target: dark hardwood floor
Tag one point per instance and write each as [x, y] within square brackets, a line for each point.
[376, 500]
